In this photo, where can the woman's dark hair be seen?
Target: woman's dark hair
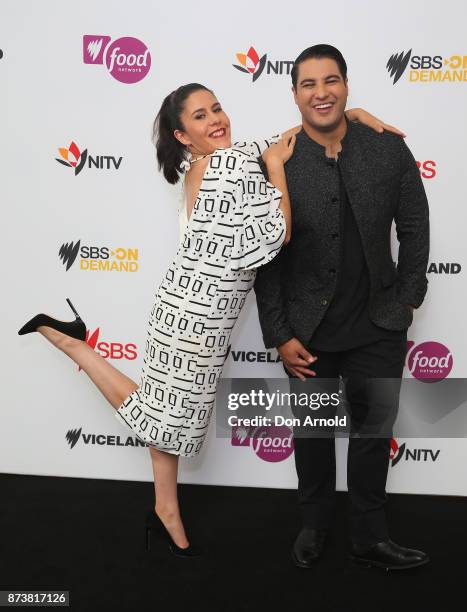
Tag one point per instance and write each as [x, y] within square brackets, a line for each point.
[170, 151]
[318, 52]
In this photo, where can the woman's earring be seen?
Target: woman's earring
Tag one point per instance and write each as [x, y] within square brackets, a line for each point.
[185, 165]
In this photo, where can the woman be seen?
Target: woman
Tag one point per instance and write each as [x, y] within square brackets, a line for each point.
[233, 221]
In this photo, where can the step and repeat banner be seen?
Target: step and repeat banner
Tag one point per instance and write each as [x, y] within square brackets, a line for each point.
[86, 214]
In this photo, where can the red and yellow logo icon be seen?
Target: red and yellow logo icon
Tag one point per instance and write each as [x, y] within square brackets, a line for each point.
[251, 63]
[72, 157]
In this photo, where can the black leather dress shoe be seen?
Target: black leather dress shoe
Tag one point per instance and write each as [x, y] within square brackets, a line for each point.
[308, 547]
[390, 556]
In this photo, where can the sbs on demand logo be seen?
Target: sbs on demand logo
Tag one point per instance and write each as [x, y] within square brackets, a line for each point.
[253, 64]
[427, 68]
[127, 59]
[272, 444]
[73, 435]
[411, 454]
[74, 158]
[99, 258]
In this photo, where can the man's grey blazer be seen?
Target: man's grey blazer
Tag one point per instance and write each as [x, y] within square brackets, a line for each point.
[383, 184]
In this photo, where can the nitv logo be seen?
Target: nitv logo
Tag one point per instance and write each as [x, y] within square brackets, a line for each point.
[271, 444]
[402, 452]
[127, 59]
[72, 157]
[429, 361]
[99, 258]
[253, 64]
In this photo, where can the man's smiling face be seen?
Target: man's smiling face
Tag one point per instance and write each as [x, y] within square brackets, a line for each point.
[321, 93]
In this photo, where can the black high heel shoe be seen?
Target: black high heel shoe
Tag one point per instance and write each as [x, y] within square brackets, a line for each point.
[75, 329]
[154, 523]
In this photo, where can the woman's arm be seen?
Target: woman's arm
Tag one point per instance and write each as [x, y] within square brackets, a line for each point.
[363, 116]
[275, 157]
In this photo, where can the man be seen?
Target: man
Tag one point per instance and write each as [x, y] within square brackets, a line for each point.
[333, 299]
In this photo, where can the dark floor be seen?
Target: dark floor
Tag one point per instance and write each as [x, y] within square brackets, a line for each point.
[87, 536]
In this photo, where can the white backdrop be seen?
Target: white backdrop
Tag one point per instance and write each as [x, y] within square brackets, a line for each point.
[51, 97]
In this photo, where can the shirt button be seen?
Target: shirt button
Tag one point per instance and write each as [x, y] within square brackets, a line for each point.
[335, 236]
[330, 163]
[324, 302]
[334, 200]
[332, 271]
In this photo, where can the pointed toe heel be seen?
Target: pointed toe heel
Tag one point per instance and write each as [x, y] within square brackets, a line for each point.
[75, 329]
[154, 525]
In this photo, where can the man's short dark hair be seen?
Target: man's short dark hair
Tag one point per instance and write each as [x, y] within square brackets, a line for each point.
[318, 52]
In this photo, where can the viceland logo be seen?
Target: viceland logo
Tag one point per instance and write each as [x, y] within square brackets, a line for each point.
[73, 435]
[397, 64]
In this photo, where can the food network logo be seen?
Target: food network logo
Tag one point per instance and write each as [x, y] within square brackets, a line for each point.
[99, 258]
[271, 444]
[405, 453]
[127, 59]
[110, 350]
[429, 361]
[74, 158]
[72, 436]
[252, 63]
[427, 68]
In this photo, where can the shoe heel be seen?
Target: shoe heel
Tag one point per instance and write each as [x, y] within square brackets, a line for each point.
[73, 308]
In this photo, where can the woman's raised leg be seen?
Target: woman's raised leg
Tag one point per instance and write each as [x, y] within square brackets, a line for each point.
[113, 384]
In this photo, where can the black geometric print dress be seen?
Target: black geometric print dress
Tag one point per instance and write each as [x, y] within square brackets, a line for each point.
[235, 227]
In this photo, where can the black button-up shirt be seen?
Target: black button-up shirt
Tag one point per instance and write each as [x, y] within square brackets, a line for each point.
[346, 323]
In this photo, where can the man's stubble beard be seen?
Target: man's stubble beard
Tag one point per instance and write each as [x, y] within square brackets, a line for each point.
[325, 129]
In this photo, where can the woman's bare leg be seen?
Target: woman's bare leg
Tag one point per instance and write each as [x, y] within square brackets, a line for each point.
[113, 384]
[116, 387]
[165, 468]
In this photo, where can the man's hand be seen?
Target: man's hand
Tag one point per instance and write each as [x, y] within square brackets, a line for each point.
[296, 358]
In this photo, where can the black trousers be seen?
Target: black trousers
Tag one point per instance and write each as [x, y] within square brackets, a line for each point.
[368, 457]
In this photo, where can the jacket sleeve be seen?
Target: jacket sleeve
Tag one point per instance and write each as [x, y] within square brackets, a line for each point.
[270, 301]
[412, 227]
[259, 222]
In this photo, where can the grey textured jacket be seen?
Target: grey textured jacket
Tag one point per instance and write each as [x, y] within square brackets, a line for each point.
[383, 184]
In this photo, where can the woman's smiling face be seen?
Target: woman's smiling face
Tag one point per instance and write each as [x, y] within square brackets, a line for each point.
[206, 126]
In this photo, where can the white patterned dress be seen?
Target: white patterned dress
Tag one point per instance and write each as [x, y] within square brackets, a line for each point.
[235, 226]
